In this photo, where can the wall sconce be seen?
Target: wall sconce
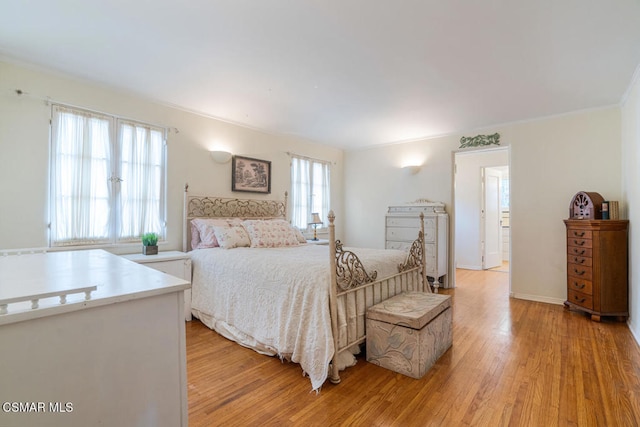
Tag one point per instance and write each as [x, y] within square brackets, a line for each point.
[220, 156]
[412, 169]
[315, 221]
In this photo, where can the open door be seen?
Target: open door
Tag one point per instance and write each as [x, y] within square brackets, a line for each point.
[491, 216]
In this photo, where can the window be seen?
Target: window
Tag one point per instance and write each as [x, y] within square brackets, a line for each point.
[107, 178]
[310, 190]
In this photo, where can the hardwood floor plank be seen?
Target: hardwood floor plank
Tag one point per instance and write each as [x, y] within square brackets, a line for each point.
[512, 363]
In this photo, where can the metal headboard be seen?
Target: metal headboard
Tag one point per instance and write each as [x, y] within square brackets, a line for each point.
[220, 207]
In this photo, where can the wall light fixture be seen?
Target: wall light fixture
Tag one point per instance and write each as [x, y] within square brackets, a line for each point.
[411, 169]
[220, 156]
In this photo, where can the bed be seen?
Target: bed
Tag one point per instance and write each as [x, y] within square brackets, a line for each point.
[281, 296]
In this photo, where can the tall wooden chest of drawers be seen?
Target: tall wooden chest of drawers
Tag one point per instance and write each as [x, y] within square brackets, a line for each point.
[403, 225]
[597, 270]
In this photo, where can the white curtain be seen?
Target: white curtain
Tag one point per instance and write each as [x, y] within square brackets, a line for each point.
[300, 192]
[141, 150]
[80, 166]
[322, 204]
[103, 190]
[310, 190]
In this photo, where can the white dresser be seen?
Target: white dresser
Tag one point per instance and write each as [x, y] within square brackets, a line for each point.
[402, 226]
[114, 358]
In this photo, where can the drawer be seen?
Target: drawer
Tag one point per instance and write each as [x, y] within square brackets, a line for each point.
[580, 234]
[580, 285]
[403, 246]
[580, 299]
[398, 221]
[579, 243]
[174, 267]
[416, 209]
[580, 260]
[575, 250]
[402, 234]
[579, 271]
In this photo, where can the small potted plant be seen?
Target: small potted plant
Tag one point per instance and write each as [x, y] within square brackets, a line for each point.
[150, 243]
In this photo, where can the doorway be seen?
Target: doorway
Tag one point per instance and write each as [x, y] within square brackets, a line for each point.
[501, 226]
[491, 231]
[481, 209]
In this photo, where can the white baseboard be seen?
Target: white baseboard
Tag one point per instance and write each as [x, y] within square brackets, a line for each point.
[538, 298]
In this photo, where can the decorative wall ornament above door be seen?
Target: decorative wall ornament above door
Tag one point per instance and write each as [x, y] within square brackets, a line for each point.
[479, 140]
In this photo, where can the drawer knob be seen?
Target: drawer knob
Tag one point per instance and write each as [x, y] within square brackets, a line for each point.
[579, 286]
[579, 242]
[575, 270]
[579, 252]
[576, 234]
[579, 260]
[580, 300]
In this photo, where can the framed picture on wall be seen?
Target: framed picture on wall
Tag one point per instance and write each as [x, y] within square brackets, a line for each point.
[250, 175]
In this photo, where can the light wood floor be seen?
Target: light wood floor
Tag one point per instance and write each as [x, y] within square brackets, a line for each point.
[512, 362]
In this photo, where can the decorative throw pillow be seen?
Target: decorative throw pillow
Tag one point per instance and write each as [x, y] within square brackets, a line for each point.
[205, 232]
[195, 237]
[296, 231]
[270, 234]
[231, 237]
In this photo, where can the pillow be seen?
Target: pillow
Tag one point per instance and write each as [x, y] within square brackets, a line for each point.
[299, 235]
[205, 233]
[230, 237]
[296, 231]
[270, 234]
[195, 237]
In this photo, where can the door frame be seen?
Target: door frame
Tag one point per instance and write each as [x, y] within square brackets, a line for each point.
[452, 246]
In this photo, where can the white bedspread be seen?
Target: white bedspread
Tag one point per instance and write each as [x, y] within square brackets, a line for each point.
[276, 300]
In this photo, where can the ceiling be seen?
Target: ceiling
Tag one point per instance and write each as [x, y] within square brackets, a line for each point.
[347, 73]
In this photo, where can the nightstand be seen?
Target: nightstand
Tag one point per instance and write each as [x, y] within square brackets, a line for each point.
[318, 242]
[174, 263]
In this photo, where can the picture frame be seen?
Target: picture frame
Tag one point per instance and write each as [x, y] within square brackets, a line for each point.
[250, 175]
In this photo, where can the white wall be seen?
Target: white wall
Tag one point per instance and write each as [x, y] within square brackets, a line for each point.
[374, 179]
[631, 196]
[468, 203]
[24, 142]
[551, 160]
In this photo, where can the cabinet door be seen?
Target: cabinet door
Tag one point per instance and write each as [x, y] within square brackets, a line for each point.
[176, 267]
[430, 250]
[430, 229]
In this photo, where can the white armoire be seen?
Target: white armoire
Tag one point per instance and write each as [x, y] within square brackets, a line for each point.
[403, 225]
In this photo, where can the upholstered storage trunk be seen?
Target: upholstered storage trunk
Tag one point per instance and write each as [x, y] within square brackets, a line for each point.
[409, 332]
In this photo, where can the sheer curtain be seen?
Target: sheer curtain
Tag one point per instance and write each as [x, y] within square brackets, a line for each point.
[320, 196]
[300, 192]
[80, 166]
[141, 150]
[310, 190]
[105, 189]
